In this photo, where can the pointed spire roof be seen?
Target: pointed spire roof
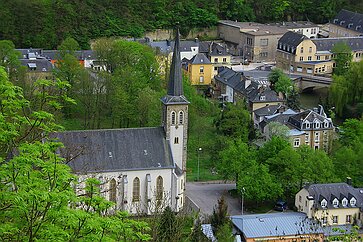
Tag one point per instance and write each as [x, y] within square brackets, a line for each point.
[175, 86]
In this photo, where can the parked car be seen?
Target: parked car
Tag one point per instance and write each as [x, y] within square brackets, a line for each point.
[281, 206]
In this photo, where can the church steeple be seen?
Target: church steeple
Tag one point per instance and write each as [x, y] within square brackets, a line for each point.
[175, 85]
[175, 110]
[175, 92]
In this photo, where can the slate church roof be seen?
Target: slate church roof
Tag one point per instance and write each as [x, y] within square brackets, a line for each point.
[289, 41]
[116, 149]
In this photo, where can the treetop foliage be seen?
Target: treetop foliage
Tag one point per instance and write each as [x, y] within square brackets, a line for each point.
[45, 24]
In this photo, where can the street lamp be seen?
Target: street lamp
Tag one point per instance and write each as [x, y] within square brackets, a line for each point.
[242, 192]
[199, 150]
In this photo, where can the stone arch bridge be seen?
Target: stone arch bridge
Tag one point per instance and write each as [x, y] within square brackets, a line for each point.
[305, 83]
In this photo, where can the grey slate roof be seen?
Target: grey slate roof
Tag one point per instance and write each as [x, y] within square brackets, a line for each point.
[295, 24]
[267, 110]
[310, 115]
[275, 224]
[349, 20]
[327, 44]
[236, 80]
[42, 65]
[175, 85]
[167, 46]
[200, 58]
[289, 41]
[263, 94]
[116, 149]
[80, 54]
[332, 190]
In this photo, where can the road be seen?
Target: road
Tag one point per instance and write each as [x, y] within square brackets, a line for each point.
[206, 196]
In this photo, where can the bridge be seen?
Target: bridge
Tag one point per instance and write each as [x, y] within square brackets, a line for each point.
[306, 82]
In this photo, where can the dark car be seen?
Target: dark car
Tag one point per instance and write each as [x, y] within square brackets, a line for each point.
[281, 206]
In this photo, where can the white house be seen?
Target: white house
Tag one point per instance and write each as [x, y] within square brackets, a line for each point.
[140, 169]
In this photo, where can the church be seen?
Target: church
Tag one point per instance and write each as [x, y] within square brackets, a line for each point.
[142, 170]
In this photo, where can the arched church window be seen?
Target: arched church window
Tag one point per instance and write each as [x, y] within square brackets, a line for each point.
[136, 190]
[159, 189]
[181, 117]
[173, 118]
[112, 190]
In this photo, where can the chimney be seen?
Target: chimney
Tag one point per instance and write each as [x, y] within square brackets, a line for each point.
[196, 40]
[349, 181]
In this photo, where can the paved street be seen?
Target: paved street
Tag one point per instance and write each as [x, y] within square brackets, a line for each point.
[206, 196]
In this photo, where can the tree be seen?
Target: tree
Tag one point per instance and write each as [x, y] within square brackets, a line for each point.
[37, 197]
[278, 129]
[343, 57]
[235, 121]
[283, 85]
[9, 58]
[274, 76]
[220, 215]
[167, 229]
[197, 234]
[293, 99]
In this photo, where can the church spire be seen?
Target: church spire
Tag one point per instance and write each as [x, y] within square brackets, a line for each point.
[175, 86]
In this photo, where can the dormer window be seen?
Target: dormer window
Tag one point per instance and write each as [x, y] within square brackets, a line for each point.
[336, 21]
[324, 203]
[353, 202]
[335, 202]
[307, 124]
[317, 124]
[263, 98]
[344, 202]
[326, 124]
[342, 22]
[350, 25]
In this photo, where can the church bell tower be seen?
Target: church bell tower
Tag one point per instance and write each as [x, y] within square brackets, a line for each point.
[175, 110]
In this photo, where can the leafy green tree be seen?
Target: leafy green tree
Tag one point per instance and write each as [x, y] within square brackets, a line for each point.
[197, 233]
[9, 58]
[343, 57]
[37, 197]
[224, 233]
[279, 130]
[235, 121]
[274, 76]
[293, 98]
[220, 214]
[284, 85]
[167, 229]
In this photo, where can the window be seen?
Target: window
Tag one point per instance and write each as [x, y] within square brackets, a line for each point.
[324, 203]
[309, 70]
[302, 50]
[317, 124]
[335, 219]
[326, 124]
[176, 140]
[307, 138]
[310, 49]
[224, 60]
[318, 57]
[216, 60]
[299, 198]
[301, 58]
[335, 203]
[201, 79]
[309, 58]
[181, 117]
[201, 69]
[299, 69]
[112, 193]
[172, 118]
[306, 203]
[344, 202]
[317, 136]
[307, 124]
[324, 220]
[353, 202]
[159, 189]
[264, 42]
[136, 190]
[297, 142]
[348, 218]
[263, 98]
[249, 41]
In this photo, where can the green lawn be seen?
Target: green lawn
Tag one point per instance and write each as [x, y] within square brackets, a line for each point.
[202, 134]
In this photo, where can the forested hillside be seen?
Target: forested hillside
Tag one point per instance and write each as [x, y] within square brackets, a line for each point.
[45, 23]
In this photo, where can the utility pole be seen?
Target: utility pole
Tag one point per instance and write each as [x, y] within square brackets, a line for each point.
[242, 192]
[199, 150]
